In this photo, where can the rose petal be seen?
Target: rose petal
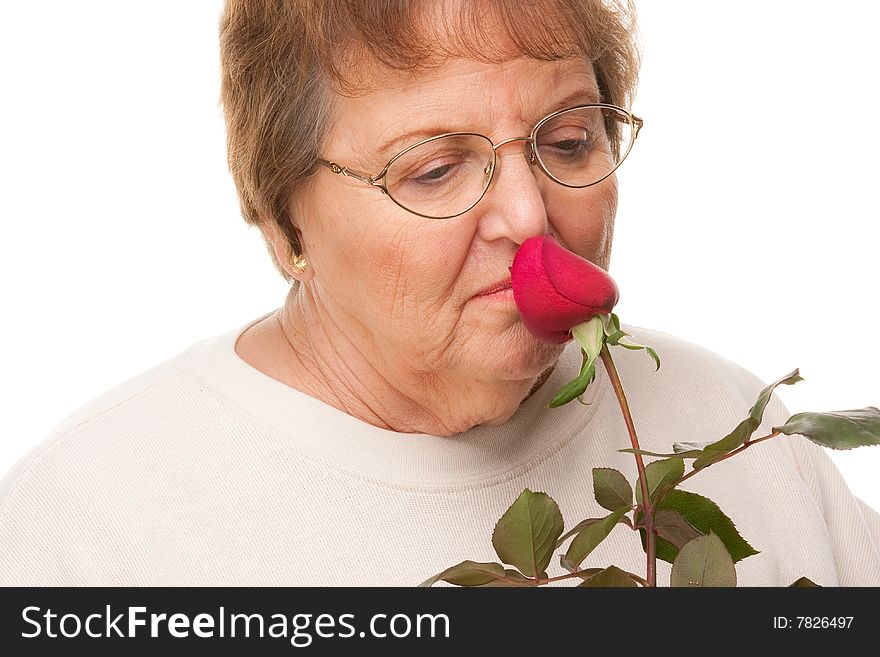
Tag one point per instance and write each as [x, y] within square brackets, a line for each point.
[538, 301]
[578, 279]
[555, 289]
[546, 335]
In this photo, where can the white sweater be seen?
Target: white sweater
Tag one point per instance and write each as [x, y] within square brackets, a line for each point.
[204, 471]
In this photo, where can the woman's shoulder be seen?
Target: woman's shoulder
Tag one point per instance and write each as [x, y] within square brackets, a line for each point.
[110, 415]
[123, 393]
[135, 411]
[679, 346]
[686, 364]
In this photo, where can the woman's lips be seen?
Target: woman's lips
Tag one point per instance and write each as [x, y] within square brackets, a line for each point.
[498, 287]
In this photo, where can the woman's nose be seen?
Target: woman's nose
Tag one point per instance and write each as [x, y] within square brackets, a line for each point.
[513, 206]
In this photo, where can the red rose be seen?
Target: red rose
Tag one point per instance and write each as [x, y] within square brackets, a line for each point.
[555, 289]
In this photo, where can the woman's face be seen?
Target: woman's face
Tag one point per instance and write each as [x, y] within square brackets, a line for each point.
[406, 289]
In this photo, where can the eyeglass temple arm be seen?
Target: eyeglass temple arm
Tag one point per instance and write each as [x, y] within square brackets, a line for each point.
[637, 125]
[345, 171]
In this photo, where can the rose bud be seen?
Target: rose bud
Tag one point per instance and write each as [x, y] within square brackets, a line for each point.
[555, 289]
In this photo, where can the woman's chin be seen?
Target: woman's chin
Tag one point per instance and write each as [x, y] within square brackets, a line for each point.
[537, 355]
[521, 357]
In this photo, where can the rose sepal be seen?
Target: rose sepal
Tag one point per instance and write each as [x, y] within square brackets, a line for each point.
[590, 335]
[616, 337]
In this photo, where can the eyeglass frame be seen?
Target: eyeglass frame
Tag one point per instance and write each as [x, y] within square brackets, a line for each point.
[373, 181]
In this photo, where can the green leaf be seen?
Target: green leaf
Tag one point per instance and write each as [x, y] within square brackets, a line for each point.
[803, 582]
[612, 576]
[624, 520]
[468, 573]
[611, 489]
[514, 578]
[584, 574]
[590, 536]
[689, 449]
[757, 411]
[704, 561]
[673, 531]
[715, 451]
[526, 534]
[590, 336]
[837, 430]
[576, 529]
[611, 325]
[628, 344]
[574, 388]
[660, 474]
[664, 550]
[672, 527]
[705, 516]
[687, 454]
[615, 337]
[644, 452]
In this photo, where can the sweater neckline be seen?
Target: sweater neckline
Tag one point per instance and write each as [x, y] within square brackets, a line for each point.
[480, 456]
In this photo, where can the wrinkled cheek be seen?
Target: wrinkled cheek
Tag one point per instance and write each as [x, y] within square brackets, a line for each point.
[389, 282]
[414, 275]
[584, 219]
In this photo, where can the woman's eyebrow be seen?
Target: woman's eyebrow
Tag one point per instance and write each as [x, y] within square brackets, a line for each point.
[393, 146]
[583, 96]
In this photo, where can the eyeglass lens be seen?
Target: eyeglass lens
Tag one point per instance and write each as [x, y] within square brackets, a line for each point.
[447, 175]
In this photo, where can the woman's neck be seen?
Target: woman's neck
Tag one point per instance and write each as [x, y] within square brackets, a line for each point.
[302, 348]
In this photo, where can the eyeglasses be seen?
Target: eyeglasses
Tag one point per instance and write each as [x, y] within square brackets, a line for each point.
[444, 176]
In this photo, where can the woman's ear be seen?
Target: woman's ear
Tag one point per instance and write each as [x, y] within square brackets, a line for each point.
[296, 266]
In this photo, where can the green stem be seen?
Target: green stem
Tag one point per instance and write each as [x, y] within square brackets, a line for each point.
[647, 506]
[635, 577]
[734, 452]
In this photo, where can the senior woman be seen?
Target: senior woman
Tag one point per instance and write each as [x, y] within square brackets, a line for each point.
[372, 429]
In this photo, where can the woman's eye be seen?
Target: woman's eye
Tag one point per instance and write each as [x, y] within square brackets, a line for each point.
[570, 144]
[566, 145]
[433, 175]
[566, 141]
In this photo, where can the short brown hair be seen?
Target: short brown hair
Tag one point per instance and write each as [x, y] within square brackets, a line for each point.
[282, 61]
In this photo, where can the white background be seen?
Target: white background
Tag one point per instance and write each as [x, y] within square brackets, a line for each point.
[748, 220]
